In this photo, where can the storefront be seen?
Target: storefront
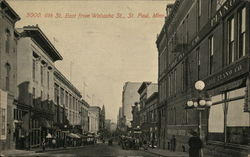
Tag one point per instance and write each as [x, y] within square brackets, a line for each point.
[229, 116]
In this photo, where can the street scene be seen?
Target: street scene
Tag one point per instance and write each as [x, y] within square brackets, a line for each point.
[135, 78]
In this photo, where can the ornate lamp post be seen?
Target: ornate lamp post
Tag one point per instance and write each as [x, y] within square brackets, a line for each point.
[199, 103]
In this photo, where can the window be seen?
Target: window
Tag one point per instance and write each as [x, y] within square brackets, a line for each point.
[7, 42]
[41, 74]
[3, 128]
[41, 96]
[34, 70]
[186, 30]
[242, 32]
[198, 62]
[210, 8]
[175, 81]
[211, 53]
[182, 76]
[169, 84]
[227, 120]
[48, 79]
[7, 78]
[33, 95]
[57, 99]
[66, 99]
[62, 96]
[198, 15]
[230, 43]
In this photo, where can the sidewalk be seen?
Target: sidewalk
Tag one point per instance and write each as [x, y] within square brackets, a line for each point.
[39, 150]
[167, 153]
[15, 152]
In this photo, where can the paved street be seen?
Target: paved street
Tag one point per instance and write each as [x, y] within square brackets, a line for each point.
[95, 150]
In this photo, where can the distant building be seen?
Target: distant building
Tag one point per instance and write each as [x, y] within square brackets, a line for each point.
[113, 126]
[84, 115]
[67, 104]
[8, 70]
[108, 124]
[148, 110]
[119, 118]
[102, 120]
[94, 119]
[135, 123]
[129, 97]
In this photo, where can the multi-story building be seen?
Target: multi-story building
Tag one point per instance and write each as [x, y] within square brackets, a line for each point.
[148, 107]
[129, 97]
[135, 123]
[93, 119]
[67, 99]
[152, 120]
[108, 125]
[84, 116]
[8, 73]
[35, 110]
[113, 127]
[102, 120]
[209, 41]
[119, 118]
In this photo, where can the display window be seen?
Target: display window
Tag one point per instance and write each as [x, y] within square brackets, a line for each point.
[227, 121]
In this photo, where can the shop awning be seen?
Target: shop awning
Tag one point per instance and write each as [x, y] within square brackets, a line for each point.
[72, 135]
[49, 136]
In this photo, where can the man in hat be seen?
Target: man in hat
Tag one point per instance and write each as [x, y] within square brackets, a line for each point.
[195, 144]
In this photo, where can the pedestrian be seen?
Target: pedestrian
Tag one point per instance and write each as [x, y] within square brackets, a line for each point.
[173, 143]
[43, 144]
[153, 143]
[195, 145]
[145, 144]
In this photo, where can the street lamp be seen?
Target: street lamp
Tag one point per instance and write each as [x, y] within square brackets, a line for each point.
[199, 103]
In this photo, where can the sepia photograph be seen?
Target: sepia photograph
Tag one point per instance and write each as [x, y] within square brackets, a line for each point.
[125, 78]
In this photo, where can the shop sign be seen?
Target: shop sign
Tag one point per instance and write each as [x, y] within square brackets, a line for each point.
[228, 73]
[225, 8]
[227, 87]
[177, 59]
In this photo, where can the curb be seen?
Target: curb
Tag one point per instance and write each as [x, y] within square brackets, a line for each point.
[155, 153]
[163, 155]
[58, 149]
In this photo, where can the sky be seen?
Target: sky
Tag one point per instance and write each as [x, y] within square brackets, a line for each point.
[102, 53]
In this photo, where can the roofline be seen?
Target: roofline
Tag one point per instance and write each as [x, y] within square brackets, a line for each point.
[36, 28]
[142, 86]
[67, 82]
[12, 11]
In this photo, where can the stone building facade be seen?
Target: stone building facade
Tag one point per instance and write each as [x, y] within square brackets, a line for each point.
[8, 69]
[209, 41]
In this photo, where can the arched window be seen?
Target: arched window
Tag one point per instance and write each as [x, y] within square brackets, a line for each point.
[7, 76]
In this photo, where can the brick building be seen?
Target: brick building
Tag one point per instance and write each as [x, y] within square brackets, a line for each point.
[209, 41]
[148, 110]
[8, 69]
[67, 106]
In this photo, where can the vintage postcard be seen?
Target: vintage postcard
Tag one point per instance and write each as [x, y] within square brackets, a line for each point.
[124, 78]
